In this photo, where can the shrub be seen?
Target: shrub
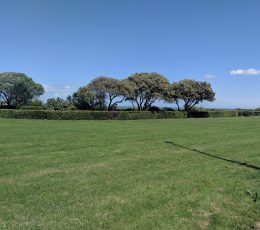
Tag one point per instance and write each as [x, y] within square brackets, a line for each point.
[90, 115]
[154, 108]
[246, 113]
[217, 113]
[23, 114]
[257, 113]
[31, 107]
[197, 114]
[111, 115]
[168, 109]
[117, 115]
[223, 113]
[7, 107]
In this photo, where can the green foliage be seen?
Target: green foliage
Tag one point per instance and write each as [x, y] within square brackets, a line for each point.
[17, 89]
[34, 113]
[90, 115]
[84, 98]
[59, 104]
[223, 113]
[35, 104]
[255, 195]
[3, 106]
[191, 92]
[146, 88]
[23, 114]
[31, 107]
[98, 89]
[247, 113]
[106, 88]
[217, 113]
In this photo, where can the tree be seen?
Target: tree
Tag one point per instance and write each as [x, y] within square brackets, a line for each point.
[99, 92]
[37, 103]
[191, 92]
[84, 98]
[59, 104]
[110, 89]
[146, 88]
[17, 89]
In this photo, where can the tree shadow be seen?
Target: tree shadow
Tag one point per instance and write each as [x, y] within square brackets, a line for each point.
[213, 156]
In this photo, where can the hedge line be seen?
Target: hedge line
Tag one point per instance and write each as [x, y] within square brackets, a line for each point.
[89, 115]
[118, 115]
[247, 113]
[219, 113]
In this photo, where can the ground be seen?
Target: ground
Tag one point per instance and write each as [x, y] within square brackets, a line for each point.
[147, 174]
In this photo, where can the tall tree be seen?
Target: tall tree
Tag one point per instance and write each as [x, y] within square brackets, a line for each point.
[83, 98]
[17, 89]
[146, 88]
[110, 89]
[191, 92]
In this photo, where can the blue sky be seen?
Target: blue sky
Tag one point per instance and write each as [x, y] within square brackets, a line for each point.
[63, 44]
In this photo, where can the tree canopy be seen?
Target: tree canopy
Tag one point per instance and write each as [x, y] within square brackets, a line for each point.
[84, 98]
[107, 88]
[146, 88]
[59, 104]
[141, 89]
[191, 92]
[17, 89]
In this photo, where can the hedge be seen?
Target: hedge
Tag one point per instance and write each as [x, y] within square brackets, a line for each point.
[217, 113]
[247, 113]
[89, 115]
[23, 114]
[118, 115]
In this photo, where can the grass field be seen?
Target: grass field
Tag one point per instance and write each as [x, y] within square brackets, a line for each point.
[147, 174]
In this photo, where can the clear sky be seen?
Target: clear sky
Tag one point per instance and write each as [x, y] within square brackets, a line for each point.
[63, 44]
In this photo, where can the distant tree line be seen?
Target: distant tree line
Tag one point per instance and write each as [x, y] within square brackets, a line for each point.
[142, 90]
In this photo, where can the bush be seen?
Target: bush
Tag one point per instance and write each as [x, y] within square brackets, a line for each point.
[247, 113]
[197, 114]
[90, 115]
[223, 113]
[154, 108]
[168, 109]
[7, 107]
[111, 115]
[256, 113]
[23, 114]
[31, 107]
[217, 113]
[118, 115]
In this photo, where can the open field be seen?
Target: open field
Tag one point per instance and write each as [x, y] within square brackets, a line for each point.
[147, 174]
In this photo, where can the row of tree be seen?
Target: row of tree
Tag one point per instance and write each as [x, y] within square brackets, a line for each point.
[142, 90]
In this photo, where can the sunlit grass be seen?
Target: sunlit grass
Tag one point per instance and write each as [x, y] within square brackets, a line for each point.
[149, 174]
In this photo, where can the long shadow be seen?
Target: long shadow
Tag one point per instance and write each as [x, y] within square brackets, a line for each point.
[213, 156]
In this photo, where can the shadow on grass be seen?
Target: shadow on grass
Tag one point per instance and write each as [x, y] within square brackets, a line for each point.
[213, 156]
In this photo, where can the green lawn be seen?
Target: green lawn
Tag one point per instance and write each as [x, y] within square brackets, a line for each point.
[147, 174]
